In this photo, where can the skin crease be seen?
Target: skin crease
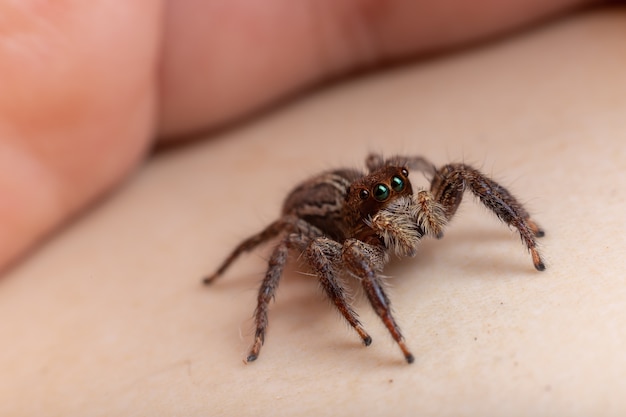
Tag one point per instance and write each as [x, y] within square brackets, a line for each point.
[89, 87]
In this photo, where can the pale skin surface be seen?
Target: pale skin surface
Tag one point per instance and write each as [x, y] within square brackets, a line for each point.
[108, 317]
[89, 88]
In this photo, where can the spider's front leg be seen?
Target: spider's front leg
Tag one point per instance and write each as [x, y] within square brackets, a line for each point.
[323, 256]
[452, 180]
[365, 262]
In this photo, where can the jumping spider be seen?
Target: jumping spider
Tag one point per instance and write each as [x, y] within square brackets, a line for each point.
[349, 221]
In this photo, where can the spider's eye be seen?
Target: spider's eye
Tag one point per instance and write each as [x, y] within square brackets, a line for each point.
[405, 172]
[381, 192]
[397, 183]
[364, 194]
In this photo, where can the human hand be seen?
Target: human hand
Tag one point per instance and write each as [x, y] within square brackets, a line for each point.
[89, 87]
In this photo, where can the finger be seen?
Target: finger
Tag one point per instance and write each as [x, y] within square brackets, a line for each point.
[225, 59]
[76, 108]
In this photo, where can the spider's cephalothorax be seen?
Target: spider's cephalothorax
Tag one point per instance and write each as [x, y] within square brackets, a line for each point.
[347, 221]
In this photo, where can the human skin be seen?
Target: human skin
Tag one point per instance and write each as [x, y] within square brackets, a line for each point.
[88, 88]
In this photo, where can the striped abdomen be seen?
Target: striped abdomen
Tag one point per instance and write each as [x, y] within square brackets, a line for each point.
[320, 201]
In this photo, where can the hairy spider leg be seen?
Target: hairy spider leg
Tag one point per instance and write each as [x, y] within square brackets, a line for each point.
[452, 180]
[286, 223]
[276, 263]
[322, 254]
[364, 261]
[247, 245]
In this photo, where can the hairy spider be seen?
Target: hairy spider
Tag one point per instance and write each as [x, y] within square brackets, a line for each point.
[348, 221]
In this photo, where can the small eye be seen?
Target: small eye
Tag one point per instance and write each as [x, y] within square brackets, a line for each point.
[381, 192]
[364, 194]
[405, 172]
[397, 183]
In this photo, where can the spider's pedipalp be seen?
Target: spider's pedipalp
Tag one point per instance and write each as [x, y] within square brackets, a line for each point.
[429, 213]
[397, 226]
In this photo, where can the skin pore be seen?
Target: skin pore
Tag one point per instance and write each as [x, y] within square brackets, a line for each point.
[88, 88]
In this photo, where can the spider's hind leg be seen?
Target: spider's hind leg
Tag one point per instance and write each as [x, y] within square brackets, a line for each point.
[268, 287]
[452, 180]
[247, 245]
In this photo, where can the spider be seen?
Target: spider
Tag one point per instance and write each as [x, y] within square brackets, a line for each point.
[349, 221]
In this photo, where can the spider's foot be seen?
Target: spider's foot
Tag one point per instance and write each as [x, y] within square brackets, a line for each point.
[208, 280]
[537, 261]
[407, 354]
[254, 351]
[366, 338]
[534, 227]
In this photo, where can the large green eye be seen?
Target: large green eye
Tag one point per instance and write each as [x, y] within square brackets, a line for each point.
[381, 192]
[397, 183]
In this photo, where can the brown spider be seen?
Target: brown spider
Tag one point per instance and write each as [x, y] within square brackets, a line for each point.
[345, 220]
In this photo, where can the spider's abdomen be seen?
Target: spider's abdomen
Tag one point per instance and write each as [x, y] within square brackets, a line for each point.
[320, 201]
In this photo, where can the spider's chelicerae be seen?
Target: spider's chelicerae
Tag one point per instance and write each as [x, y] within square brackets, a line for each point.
[349, 221]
